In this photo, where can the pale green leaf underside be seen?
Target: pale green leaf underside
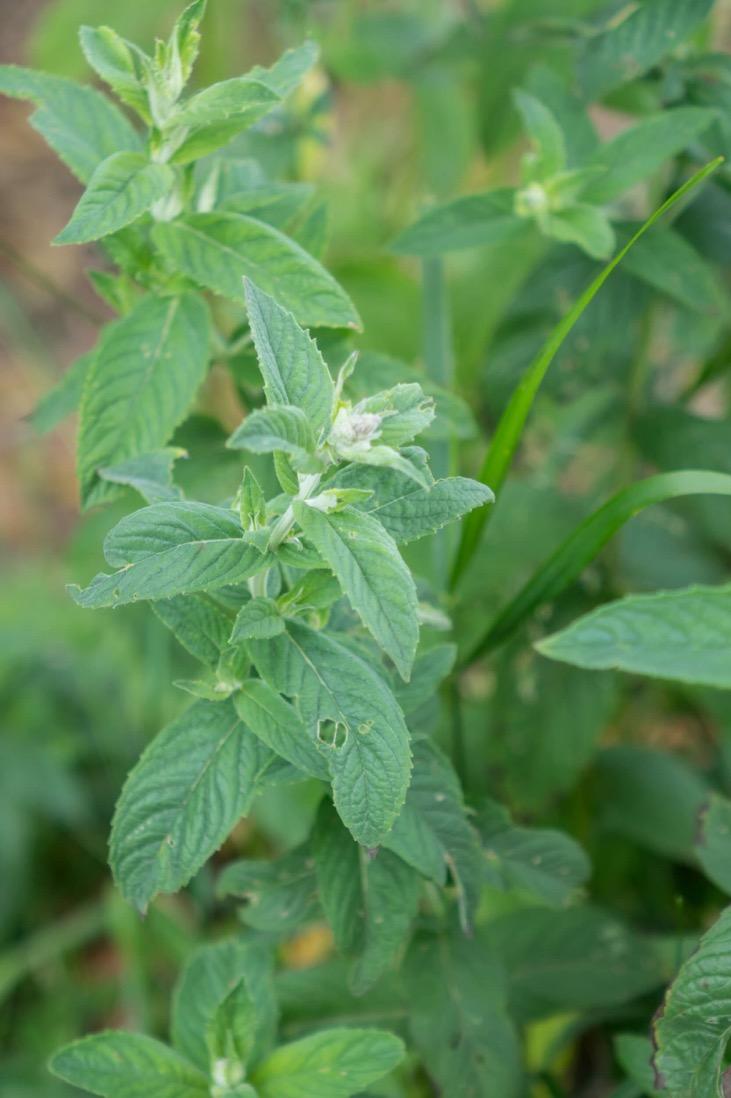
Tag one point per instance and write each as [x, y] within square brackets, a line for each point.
[116, 1064]
[372, 574]
[191, 785]
[143, 379]
[121, 189]
[219, 250]
[462, 223]
[681, 635]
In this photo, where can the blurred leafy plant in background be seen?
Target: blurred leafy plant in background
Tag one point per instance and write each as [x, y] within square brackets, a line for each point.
[477, 863]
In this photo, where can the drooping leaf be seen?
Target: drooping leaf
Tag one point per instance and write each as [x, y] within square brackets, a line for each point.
[370, 902]
[212, 973]
[171, 549]
[691, 1030]
[336, 691]
[79, 123]
[122, 188]
[191, 785]
[220, 250]
[432, 832]
[713, 840]
[469, 1044]
[280, 894]
[629, 48]
[372, 574]
[293, 369]
[584, 225]
[278, 725]
[142, 381]
[115, 1064]
[335, 1063]
[679, 635]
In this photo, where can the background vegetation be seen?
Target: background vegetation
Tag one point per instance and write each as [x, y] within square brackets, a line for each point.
[412, 103]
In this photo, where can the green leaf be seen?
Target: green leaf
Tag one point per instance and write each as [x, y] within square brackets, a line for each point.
[63, 398]
[370, 760]
[279, 894]
[637, 152]
[251, 502]
[430, 669]
[121, 189]
[691, 1030]
[257, 620]
[539, 862]
[278, 725]
[335, 1063]
[143, 379]
[191, 785]
[629, 48]
[79, 123]
[212, 117]
[219, 250]
[666, 261]
[510, 428]
[409, 511]
[115, 1064]
[458, 1018]
[574, 959]
[713, 840]
[635, 1057]
[149, 474]
[291, 365]
[544, 131]
[118, 63]
[370, 902]
[172, 549]
[209, 976]
[683, 636]
[201, 627]
[283, 428]
[587, 540]
[372, 574]
[584, 225]
[432, 832]
[185, 39]
[285, 75]
[653, 798]
[475, 219]
[405, 412]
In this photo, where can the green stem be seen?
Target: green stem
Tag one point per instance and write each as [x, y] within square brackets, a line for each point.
[439, 365]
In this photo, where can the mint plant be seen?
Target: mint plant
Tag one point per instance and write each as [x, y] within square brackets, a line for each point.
[316, 625]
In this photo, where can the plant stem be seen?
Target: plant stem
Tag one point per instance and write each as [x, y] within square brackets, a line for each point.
[285, 522]
[439, 365]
